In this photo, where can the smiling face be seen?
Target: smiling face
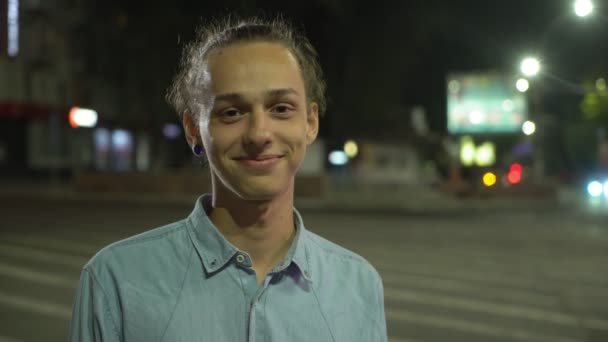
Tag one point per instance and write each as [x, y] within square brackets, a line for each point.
[257, 122]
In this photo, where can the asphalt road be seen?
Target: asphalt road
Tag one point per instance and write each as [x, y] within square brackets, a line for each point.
[498, 277]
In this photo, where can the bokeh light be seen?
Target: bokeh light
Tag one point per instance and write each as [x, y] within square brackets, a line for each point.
[351, 148]
[530, 66]
[489, 179]
[528, 127]
[522, 85]
[583, 8]
[595, 189]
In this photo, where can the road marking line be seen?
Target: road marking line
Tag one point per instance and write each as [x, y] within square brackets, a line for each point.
[468, 288]
[37, 276]
[487, 256]
[471, 327]
[463, 274]
[35, 254]
[37, 306]
[494, 308]
[39, 241]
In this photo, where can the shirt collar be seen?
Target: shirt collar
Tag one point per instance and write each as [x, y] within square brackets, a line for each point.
[215, 251]
[298, 252]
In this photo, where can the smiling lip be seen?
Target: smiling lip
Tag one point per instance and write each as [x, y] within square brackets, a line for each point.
[260, 161]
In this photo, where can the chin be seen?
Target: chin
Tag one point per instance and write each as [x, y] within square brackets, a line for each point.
[256, 194]
[259, 192]
[263, 188]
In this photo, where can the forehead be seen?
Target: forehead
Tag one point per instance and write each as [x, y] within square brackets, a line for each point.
[250, 67]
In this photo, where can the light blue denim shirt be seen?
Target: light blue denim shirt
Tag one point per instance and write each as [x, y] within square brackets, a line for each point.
[186, 282]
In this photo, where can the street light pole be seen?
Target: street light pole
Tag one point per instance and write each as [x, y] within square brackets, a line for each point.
[531, 67]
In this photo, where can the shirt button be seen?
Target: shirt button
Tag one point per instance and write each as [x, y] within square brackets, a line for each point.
[240, 258]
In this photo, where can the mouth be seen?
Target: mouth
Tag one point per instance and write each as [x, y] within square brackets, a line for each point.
[262, 161]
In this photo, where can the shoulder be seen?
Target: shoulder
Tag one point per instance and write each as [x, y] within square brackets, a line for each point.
[339, 260]
[151, 249]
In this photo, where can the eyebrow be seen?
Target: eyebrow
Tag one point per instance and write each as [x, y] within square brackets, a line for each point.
[273, 93]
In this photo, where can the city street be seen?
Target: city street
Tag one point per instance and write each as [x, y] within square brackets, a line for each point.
[503, 276]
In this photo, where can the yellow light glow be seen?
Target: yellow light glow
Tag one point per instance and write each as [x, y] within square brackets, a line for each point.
[351, 149]
[489, 179]
[467, 151]
[485, 154]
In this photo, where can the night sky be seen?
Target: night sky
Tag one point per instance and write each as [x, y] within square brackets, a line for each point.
[379, 60]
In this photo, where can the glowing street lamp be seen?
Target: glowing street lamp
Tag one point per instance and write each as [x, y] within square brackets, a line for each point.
[522, 85]
[530, 66]
[583, 8]
[528, 127]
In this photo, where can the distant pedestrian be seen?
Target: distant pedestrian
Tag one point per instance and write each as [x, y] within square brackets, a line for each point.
[242, 266]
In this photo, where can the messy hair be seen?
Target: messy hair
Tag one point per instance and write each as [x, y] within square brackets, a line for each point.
[190, 83]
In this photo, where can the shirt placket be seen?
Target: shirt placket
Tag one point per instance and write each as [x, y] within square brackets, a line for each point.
[254, 294]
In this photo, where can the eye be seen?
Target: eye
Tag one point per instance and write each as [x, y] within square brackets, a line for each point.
[283, 110]
[230, 114]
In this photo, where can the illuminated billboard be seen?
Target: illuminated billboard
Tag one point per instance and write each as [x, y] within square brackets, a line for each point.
[485, 103]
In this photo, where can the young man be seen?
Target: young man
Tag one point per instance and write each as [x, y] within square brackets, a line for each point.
[242, 266]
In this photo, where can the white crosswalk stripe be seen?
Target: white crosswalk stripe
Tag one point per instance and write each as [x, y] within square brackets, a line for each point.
[484, 329]
[460, 303]
[468, 288]
[36, 305]
[35, 254]
[36, 276]
[82, 247]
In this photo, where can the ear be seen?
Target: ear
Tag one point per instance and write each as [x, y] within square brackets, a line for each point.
[313, 123]
[190, 129]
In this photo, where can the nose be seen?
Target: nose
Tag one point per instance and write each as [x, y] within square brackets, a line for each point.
[258, 132]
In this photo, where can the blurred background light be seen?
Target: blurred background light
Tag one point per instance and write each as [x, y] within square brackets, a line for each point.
[595, 189]
[583, 8]
[485, 154]
[514, 177]
[528, 127]
[171, 131]
[522, 85]
[467, 151]
[516, 167]
[101, 138]
[530, 66]
[351, 149]
[507, 105]
[82, 117]
[338, 158]
[489, 179]
[600, 84]
[476, 117]
[12, 16]
[454, 86]
[121, 139]
[515, 173]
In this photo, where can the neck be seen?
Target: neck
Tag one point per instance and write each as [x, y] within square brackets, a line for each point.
[264, 229]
